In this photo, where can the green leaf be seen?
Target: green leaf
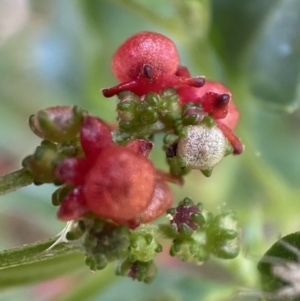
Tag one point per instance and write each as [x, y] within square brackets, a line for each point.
[274, 58]
[234, 25]
[284, 252]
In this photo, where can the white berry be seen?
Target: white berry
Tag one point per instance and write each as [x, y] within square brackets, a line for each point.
[203, 147]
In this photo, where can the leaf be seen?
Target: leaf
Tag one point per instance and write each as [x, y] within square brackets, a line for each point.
[234, 25]
[274, 59]
[283, 253]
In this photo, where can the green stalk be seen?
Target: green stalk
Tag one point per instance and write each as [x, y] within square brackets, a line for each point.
[35, 252]
[39, 261]
[15, 180]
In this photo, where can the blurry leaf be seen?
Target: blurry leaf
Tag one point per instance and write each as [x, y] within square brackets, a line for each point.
[40, 271]
[91, 286]
[172, 284]
[278, 263]
[274, 58]
[233, 25]
[194, 16]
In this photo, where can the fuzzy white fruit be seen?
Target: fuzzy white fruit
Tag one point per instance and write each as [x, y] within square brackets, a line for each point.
[203, 147]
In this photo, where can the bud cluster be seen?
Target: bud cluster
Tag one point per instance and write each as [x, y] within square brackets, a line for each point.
[199, 234]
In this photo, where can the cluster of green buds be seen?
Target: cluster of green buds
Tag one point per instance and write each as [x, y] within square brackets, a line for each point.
[59, 128]
[198, 234]
[143, 117]
[195, 234]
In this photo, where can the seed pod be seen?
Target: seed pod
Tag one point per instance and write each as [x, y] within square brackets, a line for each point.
[57, 124]
[202, 147]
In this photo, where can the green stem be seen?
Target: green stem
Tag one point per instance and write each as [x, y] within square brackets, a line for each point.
[35, 252]
[15, 180]
[39, 261]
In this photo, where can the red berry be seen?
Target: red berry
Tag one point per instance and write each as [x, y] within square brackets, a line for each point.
[120, 184]
[115, 182]
[209, 89]
[148, 62]
[142, 50]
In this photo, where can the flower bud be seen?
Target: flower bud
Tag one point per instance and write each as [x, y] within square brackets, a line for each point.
[141, 271]
[43, 162]
[57, 124]
[222, 235]
[104, 243]
[143, 246]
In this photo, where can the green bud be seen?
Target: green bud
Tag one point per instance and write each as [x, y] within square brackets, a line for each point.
[96, 262]
[152, 99]
[177, 166]
[143, 246]
[170, 139]
[60, 193]
[141, 271]
[126, 111]
[106, 241]
[128, 95]
[147, 114]
[57, 124]
[127, 125]
[208, 121]
[43, 162]
[190, 249]
[222, 235]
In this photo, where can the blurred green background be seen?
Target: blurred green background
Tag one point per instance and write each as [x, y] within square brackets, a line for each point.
[58, 53]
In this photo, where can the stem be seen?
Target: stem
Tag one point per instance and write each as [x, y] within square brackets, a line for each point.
[35, 252]
[15, 180]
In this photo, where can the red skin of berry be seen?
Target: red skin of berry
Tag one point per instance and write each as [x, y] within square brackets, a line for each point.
[145, 48]
[147, 62]
[162, 199]
[120, 184]
[114, 182]
[196, 95]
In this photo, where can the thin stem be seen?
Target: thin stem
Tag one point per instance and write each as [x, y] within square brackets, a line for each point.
[35, 252]
[15, 180]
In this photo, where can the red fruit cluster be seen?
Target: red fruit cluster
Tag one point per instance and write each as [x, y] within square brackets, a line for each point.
[112, 181]
[149, 62]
